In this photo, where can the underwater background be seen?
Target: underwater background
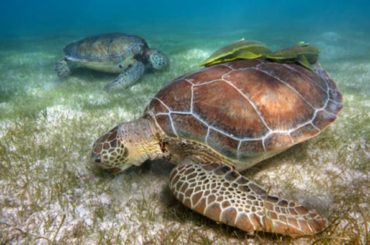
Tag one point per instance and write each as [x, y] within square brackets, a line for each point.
[48, 191]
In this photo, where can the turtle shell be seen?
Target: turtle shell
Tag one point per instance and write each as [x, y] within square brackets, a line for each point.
[247, 108]
[105, 47]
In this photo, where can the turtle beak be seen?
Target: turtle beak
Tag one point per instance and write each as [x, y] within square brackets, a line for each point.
[110, 153]
[97, 162]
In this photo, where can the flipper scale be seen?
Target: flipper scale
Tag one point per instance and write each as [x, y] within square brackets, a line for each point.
[220, 193]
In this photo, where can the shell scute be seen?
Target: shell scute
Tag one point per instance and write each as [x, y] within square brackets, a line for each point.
[304, 132]
[251, 148]
[176, 97]
[223, 143]
[189, 127]
[208, 74]
[166, 124]
[225, 108]
[277, 141]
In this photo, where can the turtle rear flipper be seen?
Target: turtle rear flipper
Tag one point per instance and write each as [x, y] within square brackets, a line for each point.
[128, 77]
[223, 195]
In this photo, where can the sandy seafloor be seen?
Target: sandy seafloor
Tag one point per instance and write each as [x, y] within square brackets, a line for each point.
[50, 195]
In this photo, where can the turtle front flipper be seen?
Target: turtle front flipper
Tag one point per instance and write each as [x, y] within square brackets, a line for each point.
[62, 68]
[128, 77]
[223, 195]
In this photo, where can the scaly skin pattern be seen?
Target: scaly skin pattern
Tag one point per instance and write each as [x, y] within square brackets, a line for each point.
[223, 195]
[110, 150]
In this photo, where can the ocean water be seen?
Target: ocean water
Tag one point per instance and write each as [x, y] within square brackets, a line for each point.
[50, 194]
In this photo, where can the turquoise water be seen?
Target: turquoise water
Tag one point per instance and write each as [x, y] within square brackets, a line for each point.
[49, 193]
[35, 17]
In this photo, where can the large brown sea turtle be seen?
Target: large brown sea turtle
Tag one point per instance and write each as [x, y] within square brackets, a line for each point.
[119, 53]
[221, 120]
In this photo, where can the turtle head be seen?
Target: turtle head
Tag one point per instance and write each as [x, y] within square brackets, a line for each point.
[157, 59]
[127, 144]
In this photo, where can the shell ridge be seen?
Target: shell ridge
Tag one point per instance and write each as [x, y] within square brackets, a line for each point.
[206, 83]
[325, 104]
[169, 115]
[238, 149]
[207, 135]
[191, 95]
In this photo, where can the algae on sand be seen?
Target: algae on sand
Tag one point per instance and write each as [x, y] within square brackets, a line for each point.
[49, 193]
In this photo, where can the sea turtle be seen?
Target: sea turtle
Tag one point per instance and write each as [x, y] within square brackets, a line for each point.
[243, 49]
[301, 53]
[219, 121]
[123, 54]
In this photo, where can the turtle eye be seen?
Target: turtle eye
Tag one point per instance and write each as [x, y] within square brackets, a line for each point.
[120, 66]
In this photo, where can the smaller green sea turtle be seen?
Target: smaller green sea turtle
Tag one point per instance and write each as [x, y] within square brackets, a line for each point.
[126, 55]
[243, 49]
